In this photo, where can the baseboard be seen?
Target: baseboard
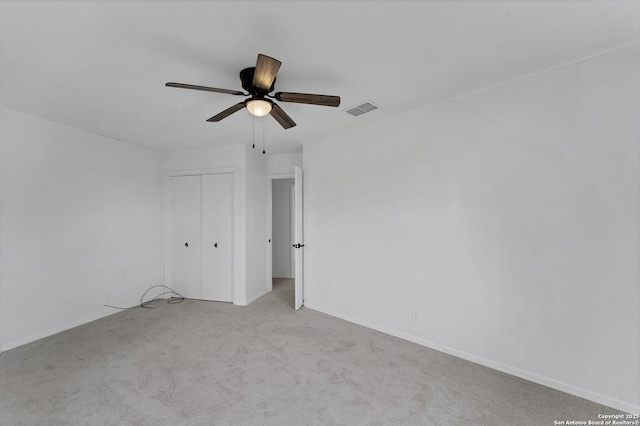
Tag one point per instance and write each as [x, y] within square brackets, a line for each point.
[625, 406]
[258, 296]
[54, 330]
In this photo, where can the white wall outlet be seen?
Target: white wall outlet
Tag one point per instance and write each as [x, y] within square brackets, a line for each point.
[414, 315]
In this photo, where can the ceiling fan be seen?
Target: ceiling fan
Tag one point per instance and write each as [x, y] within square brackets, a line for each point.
[259, 82]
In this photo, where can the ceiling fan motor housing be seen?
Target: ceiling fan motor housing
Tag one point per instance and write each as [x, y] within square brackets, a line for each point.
[259, 81]
[246, 77]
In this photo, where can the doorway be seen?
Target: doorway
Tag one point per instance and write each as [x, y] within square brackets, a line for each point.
[282, 228]
[296, 237]
[282, 262]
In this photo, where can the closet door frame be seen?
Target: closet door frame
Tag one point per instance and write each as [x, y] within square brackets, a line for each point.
[167, 219]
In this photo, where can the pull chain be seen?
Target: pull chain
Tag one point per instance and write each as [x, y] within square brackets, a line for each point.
[253, 123]
[263, 150]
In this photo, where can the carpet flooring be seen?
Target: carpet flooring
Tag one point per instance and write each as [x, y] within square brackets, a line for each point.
[207, 363]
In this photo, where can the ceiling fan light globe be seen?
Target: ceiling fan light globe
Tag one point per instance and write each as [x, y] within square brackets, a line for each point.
[259, 107]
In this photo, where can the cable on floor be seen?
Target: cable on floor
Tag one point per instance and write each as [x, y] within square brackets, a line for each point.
[172, 300]
[178, 298]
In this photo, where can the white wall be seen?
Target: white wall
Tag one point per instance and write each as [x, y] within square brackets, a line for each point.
[281, 228]
[508, 221]
[227, 158]
[79, 219]
[283, 164]
[257, 285]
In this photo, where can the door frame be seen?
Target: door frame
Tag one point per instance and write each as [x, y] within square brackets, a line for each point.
[270, 179]
[236, 270]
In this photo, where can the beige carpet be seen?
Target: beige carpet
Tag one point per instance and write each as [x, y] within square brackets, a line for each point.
[206, 363]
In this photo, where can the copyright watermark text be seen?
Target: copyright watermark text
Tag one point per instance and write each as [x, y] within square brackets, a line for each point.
[603, 419]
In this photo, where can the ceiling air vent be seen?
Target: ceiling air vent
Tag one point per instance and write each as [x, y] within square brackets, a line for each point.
[362, 109]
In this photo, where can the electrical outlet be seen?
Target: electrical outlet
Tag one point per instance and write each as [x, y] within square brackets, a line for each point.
[414, 315]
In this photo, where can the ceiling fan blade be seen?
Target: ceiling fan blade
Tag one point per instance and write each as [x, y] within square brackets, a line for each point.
[282, 117]
[265, 73]
[308, 98]
[227, 112]
[205, 88]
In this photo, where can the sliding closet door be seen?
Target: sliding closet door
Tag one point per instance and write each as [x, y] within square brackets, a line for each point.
[185, 235]
[216, 237]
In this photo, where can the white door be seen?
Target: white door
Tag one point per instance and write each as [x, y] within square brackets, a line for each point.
[292, 230]
[299, 241]
[185, 235]
[216, 238]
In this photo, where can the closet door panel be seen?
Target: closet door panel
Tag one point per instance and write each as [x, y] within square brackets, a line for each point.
[185, 235]
[225, 235]
[216, 237]
[210, 243]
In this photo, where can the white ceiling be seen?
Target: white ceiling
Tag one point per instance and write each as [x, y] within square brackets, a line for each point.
[101, 66]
